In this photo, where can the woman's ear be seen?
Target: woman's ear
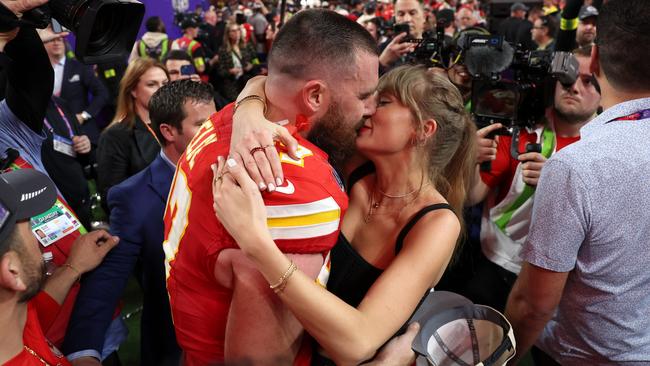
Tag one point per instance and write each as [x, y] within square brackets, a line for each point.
[430, 126]
[315, 97]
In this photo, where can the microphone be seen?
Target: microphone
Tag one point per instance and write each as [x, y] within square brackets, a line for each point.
[485, 61]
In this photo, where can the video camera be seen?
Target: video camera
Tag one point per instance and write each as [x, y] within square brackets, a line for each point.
[105, 30]
[513, 86]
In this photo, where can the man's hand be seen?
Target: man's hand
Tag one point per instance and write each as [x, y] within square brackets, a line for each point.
[398, 351]
[81, 144]
[85, 361]
[395, 49]
[18, 7]
[89, 250]
[48, 35]
[486, 147]
[531, 167]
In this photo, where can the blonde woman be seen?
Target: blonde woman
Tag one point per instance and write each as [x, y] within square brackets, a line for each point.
[400, 230]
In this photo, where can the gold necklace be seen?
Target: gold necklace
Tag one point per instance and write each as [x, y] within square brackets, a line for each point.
[33, 353]
[375, 205]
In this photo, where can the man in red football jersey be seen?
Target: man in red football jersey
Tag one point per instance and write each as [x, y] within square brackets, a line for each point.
[322, 78]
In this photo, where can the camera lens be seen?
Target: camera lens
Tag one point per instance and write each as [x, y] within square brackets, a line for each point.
[106, 30]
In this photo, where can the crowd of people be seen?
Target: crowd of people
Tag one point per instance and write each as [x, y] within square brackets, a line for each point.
[289, 188]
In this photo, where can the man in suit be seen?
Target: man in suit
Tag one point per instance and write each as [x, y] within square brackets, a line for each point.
[177, 110]
[72, 82]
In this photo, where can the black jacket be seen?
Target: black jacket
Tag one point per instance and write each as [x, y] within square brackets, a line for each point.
[122, 152]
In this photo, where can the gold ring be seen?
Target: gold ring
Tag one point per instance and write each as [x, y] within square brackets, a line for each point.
[256, 149]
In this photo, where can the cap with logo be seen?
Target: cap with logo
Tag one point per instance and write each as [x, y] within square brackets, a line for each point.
[587, 12]
[23, 193]
[454, 331]
[518, 6]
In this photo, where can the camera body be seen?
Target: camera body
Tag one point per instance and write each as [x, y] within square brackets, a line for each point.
[513, 86]
[105, 30]
[431, 50]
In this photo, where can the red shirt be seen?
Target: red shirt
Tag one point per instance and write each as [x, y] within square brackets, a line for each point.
[304, 217]
[60, 250]
[504, 166]
[34, 340]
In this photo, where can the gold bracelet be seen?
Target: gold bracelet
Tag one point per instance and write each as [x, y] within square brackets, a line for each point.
[282, 283]
[74, 269]
[247, 98]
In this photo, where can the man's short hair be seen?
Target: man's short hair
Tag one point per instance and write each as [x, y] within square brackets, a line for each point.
[622, 40]
[178, 55]
[166, 104]
[318, 38]
[154, 24]
[551, 24]
[11, 242]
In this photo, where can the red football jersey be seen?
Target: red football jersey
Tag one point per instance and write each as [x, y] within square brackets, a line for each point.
[304, 217]
[36, 351]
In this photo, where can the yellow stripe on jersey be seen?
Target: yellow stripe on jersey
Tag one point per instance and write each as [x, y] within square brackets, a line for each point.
[305, 220]
[313, 219]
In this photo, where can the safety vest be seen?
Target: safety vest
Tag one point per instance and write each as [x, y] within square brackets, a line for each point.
[159, 52]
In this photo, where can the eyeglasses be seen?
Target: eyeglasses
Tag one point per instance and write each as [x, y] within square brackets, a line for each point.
[540, 27]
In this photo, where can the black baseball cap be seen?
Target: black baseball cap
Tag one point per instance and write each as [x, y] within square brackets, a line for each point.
[587, 12]
[455, 331]
[23, 193]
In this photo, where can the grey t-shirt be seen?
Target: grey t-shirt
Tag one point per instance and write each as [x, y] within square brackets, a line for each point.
[591, 218]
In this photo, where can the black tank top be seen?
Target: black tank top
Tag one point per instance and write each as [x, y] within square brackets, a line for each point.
[351, 276]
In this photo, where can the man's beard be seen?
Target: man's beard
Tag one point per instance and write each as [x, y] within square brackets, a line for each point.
[570, 116]
[334, 135]
[34, 277]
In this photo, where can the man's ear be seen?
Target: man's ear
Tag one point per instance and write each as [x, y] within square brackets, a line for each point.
[594, 63]
[315, 96]
[168, 132]
[11, 270]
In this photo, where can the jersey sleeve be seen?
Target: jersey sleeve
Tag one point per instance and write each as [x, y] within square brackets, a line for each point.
[303, 216]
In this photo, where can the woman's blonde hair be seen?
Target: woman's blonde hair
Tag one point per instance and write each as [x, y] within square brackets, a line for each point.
[125, 111]
[226, 35]
[449, 155]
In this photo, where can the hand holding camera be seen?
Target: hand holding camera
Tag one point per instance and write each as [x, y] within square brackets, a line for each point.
[396, 49]
[487, 143]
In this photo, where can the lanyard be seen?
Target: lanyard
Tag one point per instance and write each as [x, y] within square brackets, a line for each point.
[151, 131]
[65, 119]
[642, 114]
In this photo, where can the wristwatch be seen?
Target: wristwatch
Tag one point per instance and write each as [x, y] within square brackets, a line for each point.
[86, 116]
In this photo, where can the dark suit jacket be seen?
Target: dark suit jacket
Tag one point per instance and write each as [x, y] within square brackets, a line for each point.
[137, 209]
[122, 152]
[78, 81]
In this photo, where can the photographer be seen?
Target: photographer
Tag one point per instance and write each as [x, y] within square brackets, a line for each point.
[509, 185]
[393, 52]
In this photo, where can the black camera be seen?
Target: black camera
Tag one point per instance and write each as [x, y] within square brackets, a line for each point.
[105, 30]
[431, 50]
[513, 86]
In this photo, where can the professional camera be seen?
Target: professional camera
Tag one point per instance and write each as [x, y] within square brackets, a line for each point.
[513, 86]
[105, 30]
[431, 50]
